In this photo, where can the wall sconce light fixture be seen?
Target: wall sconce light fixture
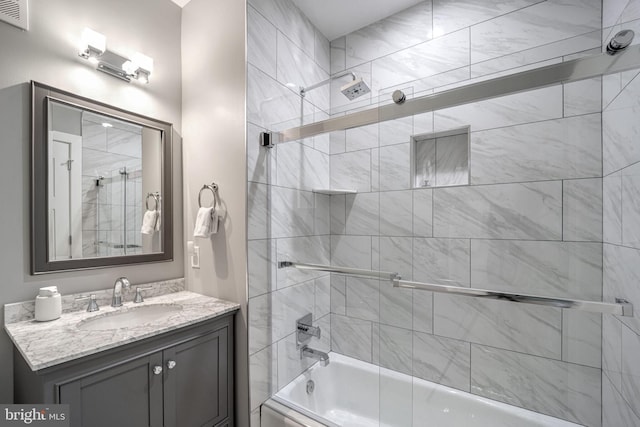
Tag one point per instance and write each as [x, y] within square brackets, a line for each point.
[93, 45]
[94, 49]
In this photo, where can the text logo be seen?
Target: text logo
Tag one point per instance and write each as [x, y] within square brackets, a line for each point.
[34, 415]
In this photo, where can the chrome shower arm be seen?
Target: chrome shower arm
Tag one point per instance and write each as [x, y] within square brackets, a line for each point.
[304, 90]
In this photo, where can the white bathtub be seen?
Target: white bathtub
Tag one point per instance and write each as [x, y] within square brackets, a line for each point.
[352, 393]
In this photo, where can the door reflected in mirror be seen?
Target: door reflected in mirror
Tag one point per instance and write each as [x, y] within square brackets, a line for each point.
[103, 173]
[101, 185]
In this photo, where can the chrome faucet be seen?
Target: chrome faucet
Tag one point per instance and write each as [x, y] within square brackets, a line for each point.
[321, 356]
[116, 300]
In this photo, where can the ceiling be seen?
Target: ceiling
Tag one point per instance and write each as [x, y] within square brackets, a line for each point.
[180, 3]
[335, 18]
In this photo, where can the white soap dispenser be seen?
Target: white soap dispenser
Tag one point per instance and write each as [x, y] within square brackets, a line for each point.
[48, 304]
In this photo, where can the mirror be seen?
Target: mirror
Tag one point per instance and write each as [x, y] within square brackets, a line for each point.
[101, 184]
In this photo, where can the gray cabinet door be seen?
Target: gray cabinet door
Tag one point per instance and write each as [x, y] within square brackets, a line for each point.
[128, 394]
[196, 388]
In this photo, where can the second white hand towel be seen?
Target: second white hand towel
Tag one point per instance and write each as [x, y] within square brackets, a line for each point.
[157, 221]
[150, 222]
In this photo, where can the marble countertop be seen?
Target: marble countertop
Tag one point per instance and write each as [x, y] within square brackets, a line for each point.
[45, 344]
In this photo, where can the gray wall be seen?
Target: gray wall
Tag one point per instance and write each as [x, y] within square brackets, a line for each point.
[48, 54]
[214, 88]
[621, 215]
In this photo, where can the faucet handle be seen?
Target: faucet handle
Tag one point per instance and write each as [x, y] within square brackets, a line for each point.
[313, 331]
[305, 330]
[138, 298]
[93, 304]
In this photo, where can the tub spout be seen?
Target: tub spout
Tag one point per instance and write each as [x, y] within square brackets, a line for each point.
[318, 355]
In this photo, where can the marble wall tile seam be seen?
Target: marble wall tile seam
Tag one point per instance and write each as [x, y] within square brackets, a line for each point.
[444, 34]
[623, 246]
[271, 367]
[360, 150]
[303, 282]
[626, 401]
[533, 48]
[488, 184]
[630, 379]
[540, 59]
[336, 316]
[359, 64]
[305, 53]
[634, 164]
[289, 89]
[553, 119]
[275, 25]
[303, 142]
[609, 31]
[434, 14]
[513, 390]
[618, 412]
[622, 89]
[547, 21]
[613, 381]
[560, 360]
[621, 395]
[258, 350]
[472, 343]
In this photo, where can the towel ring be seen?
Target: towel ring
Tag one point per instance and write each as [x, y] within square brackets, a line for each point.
[156, 199]
[214, 189]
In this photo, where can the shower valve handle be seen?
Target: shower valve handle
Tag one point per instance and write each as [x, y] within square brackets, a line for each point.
[309, 330]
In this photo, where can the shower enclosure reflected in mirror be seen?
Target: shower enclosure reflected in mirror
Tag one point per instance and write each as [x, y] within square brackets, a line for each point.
[100, 185]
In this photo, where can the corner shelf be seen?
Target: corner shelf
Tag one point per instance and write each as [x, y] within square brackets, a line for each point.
[332, 192]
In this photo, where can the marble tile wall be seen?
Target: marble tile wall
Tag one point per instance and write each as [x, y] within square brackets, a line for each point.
[286, 219]
[531, 219]
[621, 222]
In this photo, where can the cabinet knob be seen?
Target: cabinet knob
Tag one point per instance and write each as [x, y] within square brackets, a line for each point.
[171, 364]
[157, 370]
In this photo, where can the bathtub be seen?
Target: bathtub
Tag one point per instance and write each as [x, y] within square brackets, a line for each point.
[352, 393]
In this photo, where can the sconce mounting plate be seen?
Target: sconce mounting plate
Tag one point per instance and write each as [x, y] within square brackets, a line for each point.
[111, 63]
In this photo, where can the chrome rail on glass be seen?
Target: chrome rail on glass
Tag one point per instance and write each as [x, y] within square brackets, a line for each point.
[388, 275]
[620, 308]
[563, 72]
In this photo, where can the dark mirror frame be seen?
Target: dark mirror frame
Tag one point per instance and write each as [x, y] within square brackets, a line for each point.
[40, 263]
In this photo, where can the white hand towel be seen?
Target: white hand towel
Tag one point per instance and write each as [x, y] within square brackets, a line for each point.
[206, 223]
[150, 222]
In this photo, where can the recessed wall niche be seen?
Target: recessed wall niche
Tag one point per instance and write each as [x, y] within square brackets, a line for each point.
[440, 159]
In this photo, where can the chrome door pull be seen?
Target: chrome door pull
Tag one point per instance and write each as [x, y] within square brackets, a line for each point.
[157, 370]
[171, 364]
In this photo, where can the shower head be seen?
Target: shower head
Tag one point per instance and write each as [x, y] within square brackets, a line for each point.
[352, 90]
[355, 89]
[620, 42]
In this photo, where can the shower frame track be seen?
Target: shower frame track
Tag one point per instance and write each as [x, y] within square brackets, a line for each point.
[620, 308]
[564, 72]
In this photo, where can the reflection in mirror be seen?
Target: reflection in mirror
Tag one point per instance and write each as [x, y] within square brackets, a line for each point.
[101, 178]
[101, 172]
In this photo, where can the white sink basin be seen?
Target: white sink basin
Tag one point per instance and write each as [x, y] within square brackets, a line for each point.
[129, 317]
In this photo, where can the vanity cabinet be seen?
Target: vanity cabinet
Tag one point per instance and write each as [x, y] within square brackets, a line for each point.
[181, 378]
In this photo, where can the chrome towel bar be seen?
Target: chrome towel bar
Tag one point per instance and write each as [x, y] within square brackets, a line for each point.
[620, 308]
